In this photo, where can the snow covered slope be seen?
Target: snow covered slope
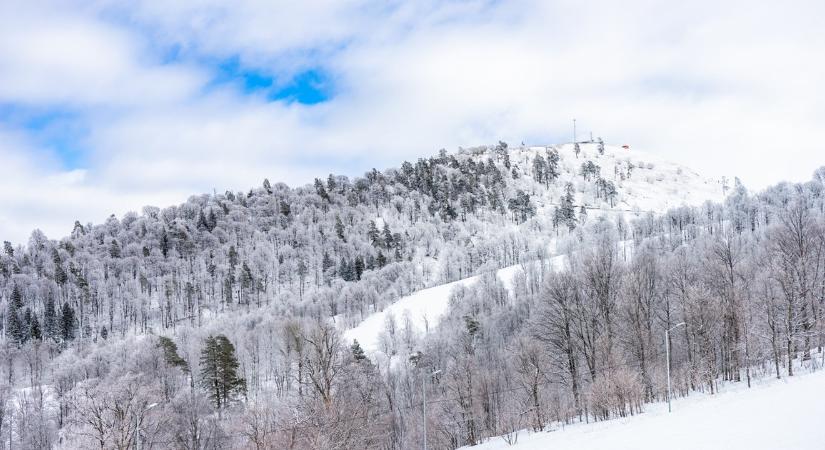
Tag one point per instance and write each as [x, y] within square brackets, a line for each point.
[425, 307]
[786, 414]
[644, 182]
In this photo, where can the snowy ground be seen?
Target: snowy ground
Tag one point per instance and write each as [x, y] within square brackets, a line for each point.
[786, 414]
[425, 307]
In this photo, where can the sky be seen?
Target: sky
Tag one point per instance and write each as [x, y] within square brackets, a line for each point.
[108, 106]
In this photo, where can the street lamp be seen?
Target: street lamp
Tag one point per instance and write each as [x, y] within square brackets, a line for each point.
[137, 424]
[667, 355]
[424, 403]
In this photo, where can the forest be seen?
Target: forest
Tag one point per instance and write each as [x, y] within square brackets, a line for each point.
[219, 323]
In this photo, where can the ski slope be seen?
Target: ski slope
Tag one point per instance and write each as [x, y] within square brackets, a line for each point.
[425, 307]
[787, 414]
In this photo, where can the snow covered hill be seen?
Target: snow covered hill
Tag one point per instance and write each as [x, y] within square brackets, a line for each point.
[785, 414]
[644, 183]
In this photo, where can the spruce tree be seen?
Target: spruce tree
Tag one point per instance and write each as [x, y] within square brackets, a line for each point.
[357, 352]
[339, 228]
[50, 325]
[170, 353]
[68, 322]
[358, 267]
[16, 328]
[219, 371]
[34, 329]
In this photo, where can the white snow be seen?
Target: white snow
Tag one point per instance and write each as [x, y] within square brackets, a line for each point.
[787, 414]
[425, 307]
[655, 185]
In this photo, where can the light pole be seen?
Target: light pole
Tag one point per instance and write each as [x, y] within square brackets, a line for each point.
[137, 424]
[424, 403]
[667, 355]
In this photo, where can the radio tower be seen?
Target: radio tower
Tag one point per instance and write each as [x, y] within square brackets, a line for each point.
[574, 131]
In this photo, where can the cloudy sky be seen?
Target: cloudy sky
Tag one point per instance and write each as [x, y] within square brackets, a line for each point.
[107, 106]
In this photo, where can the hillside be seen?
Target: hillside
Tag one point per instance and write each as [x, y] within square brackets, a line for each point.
[516, 287]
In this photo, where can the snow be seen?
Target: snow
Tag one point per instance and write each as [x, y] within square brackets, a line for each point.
[425, 307]
[786, 414]
[655, 185]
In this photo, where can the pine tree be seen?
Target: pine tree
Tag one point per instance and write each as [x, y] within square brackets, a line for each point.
[339, 228]
[34, 329]
[357, 352]
[50, 319]
[16, 328]
[326, 262]
[219, 371]
[346, 270]
[164, 244]
[321, 190]
[358, 267]
[372, 234]
[68, 323]
[331, 183]
[114, 249]
[170, 353]
[387, 236]
[285, 209]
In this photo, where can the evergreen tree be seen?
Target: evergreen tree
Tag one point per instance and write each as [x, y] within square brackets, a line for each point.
[387, 236]
[357, 352]
[339, 228]
[358, 267]
[552, 171]
[372, 234]
[15, 325]
[170, 353]
[331, 183]
[50, 322]
[34, 329]
[345, 270]
[68, 323]
[60, 275]
[267, 186]
[321, 190]
[326, 262]
[114, 249]
[285, 209]
[164, 244]
[219, 371]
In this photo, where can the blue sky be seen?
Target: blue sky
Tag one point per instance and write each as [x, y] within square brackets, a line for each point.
[110, 106]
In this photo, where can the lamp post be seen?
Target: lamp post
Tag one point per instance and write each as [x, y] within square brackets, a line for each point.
[137, 425]
[424, 403]
[667, 355]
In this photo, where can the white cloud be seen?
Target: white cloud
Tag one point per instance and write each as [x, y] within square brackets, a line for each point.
[726, 88]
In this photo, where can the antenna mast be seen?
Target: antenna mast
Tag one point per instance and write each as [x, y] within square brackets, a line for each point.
[574, 130]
